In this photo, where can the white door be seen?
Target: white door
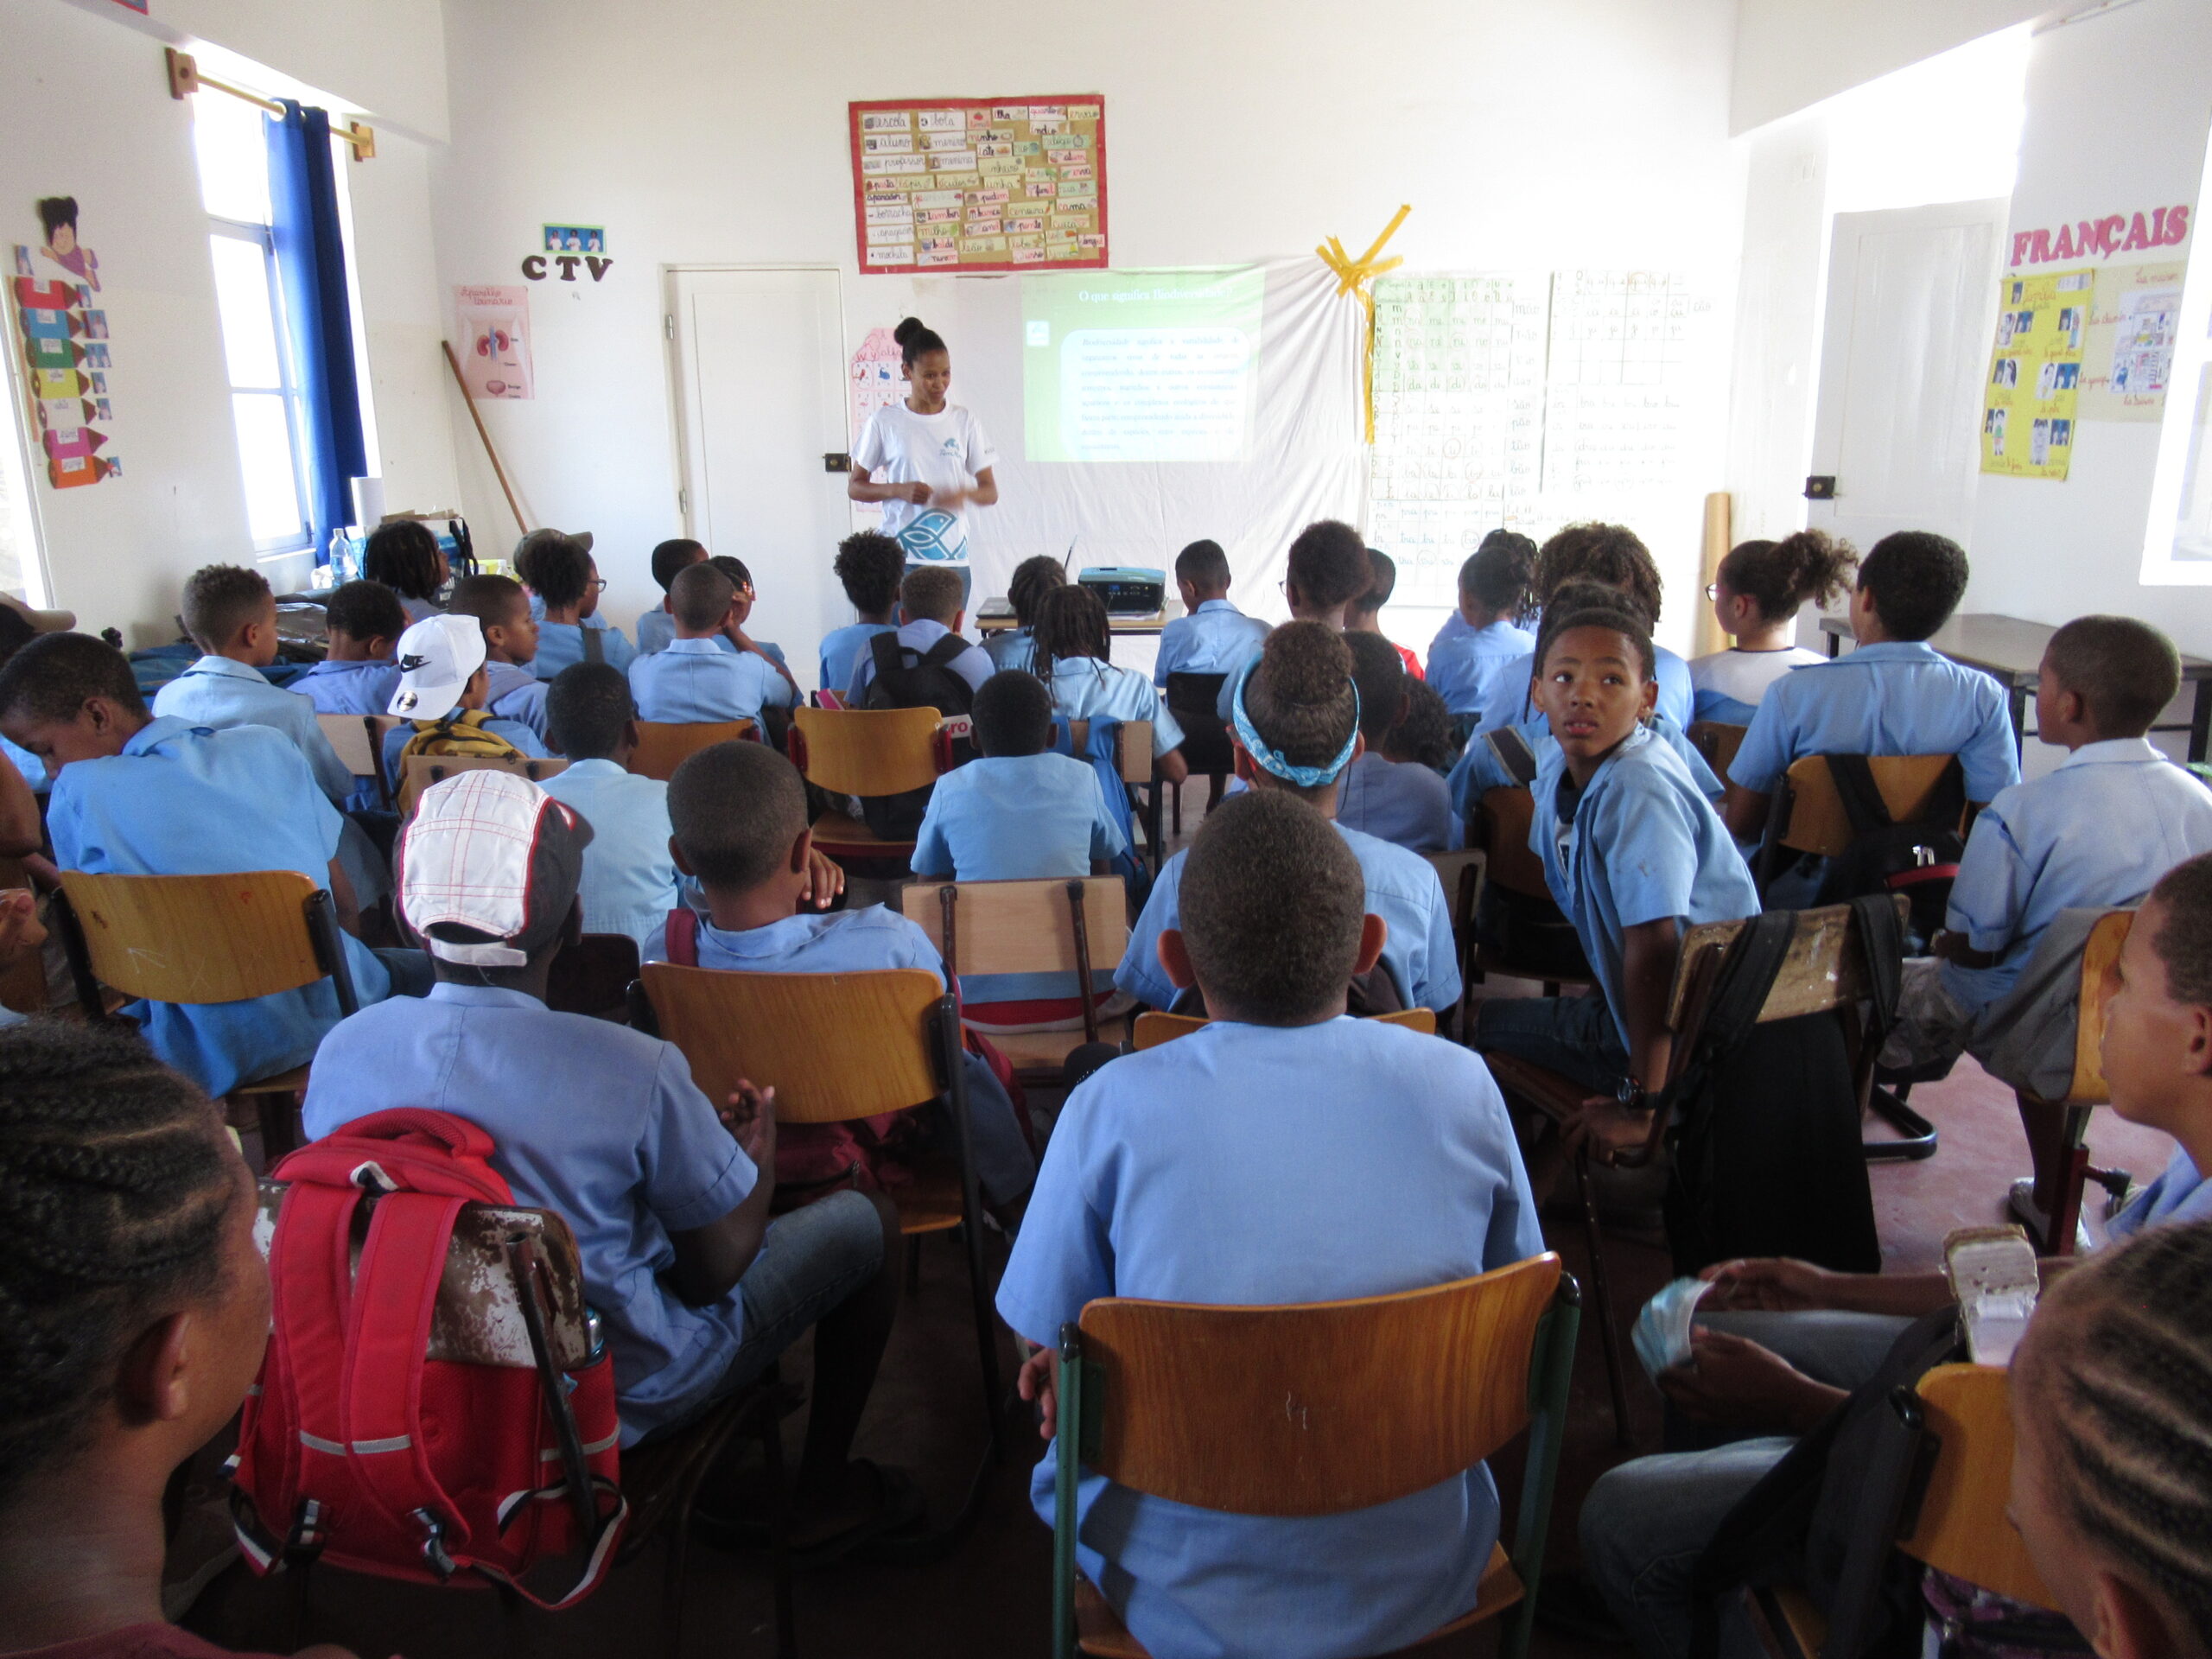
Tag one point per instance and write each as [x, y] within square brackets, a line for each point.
[760, 379]
[1911, 312]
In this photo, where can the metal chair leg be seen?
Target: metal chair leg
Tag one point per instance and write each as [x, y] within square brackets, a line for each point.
[779, 1545]
[1602, 1297]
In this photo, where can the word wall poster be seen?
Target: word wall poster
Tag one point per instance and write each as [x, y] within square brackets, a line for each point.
[961, 185]
[2028, 404]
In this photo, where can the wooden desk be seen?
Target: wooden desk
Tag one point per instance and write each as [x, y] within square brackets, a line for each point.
[990, 621]
[2010, 651]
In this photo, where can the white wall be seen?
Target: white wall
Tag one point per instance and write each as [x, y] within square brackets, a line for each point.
[1588, 132]
[1792, 54]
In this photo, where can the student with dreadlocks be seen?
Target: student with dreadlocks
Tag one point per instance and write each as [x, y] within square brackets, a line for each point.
[1073, 641]
[133, 1311]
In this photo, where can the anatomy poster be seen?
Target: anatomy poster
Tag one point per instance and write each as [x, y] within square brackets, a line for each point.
[957, 185]
[2029, 399]
[495, 340]
[63, 329]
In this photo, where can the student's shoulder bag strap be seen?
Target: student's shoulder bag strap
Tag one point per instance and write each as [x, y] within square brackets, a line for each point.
[595, 642]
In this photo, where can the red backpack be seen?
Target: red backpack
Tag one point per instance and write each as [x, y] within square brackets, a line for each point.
[360, 1447]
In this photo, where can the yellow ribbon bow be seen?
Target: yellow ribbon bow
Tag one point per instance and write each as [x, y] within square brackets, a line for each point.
[1353, 277]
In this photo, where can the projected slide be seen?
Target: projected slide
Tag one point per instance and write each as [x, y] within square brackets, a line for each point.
[1141, 365]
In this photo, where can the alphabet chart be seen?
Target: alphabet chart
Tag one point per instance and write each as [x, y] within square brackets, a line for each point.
[961, 185]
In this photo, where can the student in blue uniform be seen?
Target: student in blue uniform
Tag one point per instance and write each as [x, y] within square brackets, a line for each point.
[1613, 555]
[629, 880]
[1633, 853]
[739, 813]
[1364, 614]
[1212, 636]
[656, 627]
[1404, 803]
[232, 616]
[1482, 639]
[512, 688]
[1778, 1344]
[1206, 1170]
[362, 623]
[1017, 811]
[736, 637]
[1296, 727]
[1325, 569]
[1757, 595]
[695, 680]
[139, 795]
[444, 682]
[557, 568]
[405, 555]
[1895, 694]
[668, 1193]
[929, 609]
[1074, 640]
[869, 564]
[1034, 578]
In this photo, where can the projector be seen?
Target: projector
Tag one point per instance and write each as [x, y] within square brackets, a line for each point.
[1126, 591]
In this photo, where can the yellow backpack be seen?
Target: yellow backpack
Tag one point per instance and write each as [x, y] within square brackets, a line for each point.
[460, 733]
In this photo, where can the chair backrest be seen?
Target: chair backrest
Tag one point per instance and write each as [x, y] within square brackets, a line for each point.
[1962, 1528]
[1133, 747]
[1318, 1408]
[833, 1046]
[1023, 927]
[1506, 815]
[1199, 693]
[866, 751]
[418, 772]
[1817, 822]
[1152, 1029]
[358, 740]
[662, 745]
[2099, 951]
[1825, 969]
[197, 939]
[1462, 875]
[23, 986]
[1717, 742]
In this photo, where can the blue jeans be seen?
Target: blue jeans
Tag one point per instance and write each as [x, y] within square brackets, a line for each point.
[1646, 1522]
[966, 579]
[1574, 1036]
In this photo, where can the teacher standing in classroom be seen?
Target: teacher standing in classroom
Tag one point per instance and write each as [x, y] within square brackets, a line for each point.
[926, 460]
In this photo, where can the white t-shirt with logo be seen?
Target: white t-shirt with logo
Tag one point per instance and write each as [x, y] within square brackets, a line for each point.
[944, 451]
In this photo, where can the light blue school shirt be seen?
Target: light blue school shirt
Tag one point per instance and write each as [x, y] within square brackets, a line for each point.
[1640, 843]
[595, 1121]
[657, 628]
[513, 692]
[220, 693]
[1084, 688]
[694, 682]
[1478, 768]
[2179, 1194]
[560, 644]
[862, 941]
[2100, 831]
[1509, 702]
[514, 731]
[629, 884]
[842, 648]
[1009, 817]
[30, 765]
[1900, 697]
[1211, 640]
[973, 664]
[1400, 802]
[1014, 648]
[1250, 1164]
[1402, 888]
[417, 609]
[1729, 685]
[185, 800]
[1467, 665]
[350, 688]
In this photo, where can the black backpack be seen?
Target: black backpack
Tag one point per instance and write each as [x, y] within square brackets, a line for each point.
[906, 678]
[1765, 1134]
[1919, 859]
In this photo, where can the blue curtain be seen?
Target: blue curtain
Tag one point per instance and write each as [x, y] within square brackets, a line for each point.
[311, 267]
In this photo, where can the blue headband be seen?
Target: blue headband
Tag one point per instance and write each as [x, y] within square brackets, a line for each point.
[1272, 760]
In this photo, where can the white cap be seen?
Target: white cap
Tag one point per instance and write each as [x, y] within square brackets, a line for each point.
[491, 854]
[437, 657]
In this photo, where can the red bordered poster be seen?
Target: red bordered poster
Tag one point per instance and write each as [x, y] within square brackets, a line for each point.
[962, 185]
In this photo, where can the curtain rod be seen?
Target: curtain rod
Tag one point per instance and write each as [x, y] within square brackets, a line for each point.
[185, 79]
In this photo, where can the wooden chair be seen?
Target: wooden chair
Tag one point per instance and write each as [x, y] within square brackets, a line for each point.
[191, 939]
[1133, 758]
[1072, 930]
[1960, 1526]
[1717, 742]
[1502, 820]
[358, 741]
[1807, 815]
[1152, 1029]
[479, 1320]
[22, 988]
[1191, 699]
[593, 976]
[418, 772]
[864, 752]
[1394, 1393]
[662, 745]
[835, 1047]
[2055, 1128]
[1824, 971]
[1462, 873]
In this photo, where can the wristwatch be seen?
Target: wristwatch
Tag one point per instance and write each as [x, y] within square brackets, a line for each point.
[1631, 1095]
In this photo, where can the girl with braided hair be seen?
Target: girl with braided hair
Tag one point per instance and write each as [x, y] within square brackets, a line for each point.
[1072, 640]
[134, 1307]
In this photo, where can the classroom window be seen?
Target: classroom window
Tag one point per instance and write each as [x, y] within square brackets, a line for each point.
[233, 157]
[20, 573]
